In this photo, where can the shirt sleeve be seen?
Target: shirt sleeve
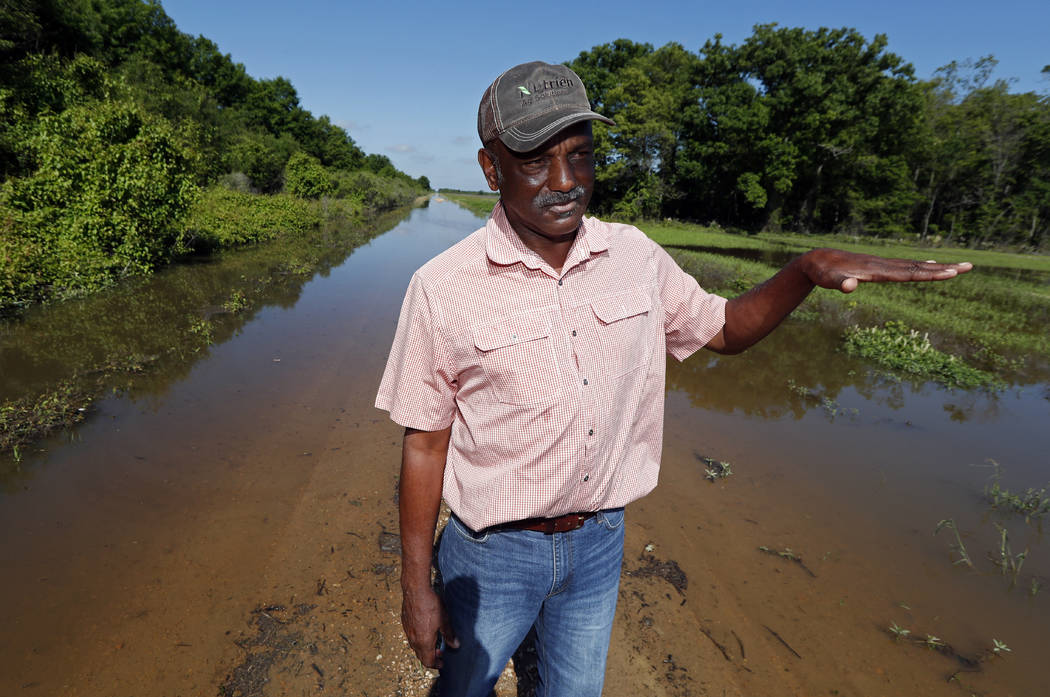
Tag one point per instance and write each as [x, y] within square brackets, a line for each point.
[692, 316]
[419, 383]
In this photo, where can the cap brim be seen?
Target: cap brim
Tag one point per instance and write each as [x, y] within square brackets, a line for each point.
[534, 133]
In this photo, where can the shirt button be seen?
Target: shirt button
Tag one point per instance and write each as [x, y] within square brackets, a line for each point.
[585, 381]
[586, 477]
[590, 432]
[559, 281]
[574, 332]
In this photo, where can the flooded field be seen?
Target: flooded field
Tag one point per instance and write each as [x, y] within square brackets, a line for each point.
[239, 472]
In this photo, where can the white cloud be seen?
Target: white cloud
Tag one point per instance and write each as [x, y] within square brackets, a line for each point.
[401, 147]
[352, 126]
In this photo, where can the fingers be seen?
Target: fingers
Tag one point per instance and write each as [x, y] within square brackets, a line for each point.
[446, 631]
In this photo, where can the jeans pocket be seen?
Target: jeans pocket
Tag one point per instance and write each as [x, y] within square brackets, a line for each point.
[611, 519]
[466, 533]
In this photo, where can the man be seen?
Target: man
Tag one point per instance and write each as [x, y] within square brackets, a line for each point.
[528, 372]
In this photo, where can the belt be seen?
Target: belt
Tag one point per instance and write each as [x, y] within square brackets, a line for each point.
[563, 523]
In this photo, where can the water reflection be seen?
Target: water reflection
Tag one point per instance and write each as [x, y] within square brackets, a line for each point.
[141, 336]
[798, 369]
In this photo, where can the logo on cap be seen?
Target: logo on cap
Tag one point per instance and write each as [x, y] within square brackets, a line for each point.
[523, 90]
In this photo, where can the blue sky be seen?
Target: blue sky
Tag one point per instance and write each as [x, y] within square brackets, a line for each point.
[404, 78]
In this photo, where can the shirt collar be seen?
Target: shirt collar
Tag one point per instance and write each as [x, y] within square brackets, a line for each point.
[504, 247]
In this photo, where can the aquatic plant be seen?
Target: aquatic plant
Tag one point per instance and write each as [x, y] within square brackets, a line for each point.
[718, 470]
[958, 546]
[1033, 503]
[790, 555]
[1007, 562]
[25, 420]
[898, 347]
[899, 632]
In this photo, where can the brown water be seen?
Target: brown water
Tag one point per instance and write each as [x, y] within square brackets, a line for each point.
[237, 475]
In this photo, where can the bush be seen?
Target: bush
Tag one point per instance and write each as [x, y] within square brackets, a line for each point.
[224, 218]
[105, 197]
[306, 177]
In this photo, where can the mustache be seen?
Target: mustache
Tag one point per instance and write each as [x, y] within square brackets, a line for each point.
[554, 198]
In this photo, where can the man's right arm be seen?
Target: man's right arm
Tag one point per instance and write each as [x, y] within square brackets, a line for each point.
[422, 471]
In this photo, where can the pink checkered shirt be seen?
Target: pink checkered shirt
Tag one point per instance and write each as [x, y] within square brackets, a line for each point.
[553, 384]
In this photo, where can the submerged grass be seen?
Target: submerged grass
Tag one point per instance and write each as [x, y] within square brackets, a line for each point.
[1033, 503]
[898, 347]
[25, 420]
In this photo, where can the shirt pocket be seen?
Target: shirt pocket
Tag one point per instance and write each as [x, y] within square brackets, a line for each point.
[624, 329]
[517, 355]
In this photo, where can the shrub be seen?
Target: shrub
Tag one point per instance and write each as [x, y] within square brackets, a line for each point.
[224, 218]
[104, 200]
[306, 177]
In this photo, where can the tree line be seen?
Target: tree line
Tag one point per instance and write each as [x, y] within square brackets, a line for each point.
[116, 129]
[819, 131]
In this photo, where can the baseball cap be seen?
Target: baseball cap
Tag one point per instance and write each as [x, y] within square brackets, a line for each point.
[530, 103]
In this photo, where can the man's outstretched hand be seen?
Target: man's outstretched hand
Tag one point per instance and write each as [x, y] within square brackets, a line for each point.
[751, 316]
[844, 271]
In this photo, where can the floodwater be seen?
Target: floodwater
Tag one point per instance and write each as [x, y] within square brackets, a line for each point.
[133, 545]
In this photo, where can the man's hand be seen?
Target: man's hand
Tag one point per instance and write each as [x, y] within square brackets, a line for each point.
[422, 612]
[844, 271]
[751, 316]
[423, 616]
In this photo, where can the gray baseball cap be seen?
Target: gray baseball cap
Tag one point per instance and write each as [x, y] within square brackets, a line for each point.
[530, 103]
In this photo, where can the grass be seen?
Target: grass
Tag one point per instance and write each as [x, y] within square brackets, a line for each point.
[959, 547]
[26, 420]
[1033, 503]
[478, 204]
[896, 346]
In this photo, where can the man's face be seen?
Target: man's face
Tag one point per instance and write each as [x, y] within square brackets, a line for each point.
[545, 191]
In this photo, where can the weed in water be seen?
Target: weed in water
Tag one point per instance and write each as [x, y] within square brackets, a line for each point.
[237, 302]
[959, 547]
[25, 420]
[719, 470]
[788, 554]
[1034, 503]
[898, 347]
[933, 642]
[1035, 587]
[1007, 562]
[829, 405]
[899, 632]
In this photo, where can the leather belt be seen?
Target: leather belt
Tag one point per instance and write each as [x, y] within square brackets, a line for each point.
[564, 523]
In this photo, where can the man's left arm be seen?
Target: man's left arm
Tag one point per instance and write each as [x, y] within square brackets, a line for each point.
[753, 315]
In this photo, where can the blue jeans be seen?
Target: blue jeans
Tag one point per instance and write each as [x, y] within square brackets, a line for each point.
[498, 584]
